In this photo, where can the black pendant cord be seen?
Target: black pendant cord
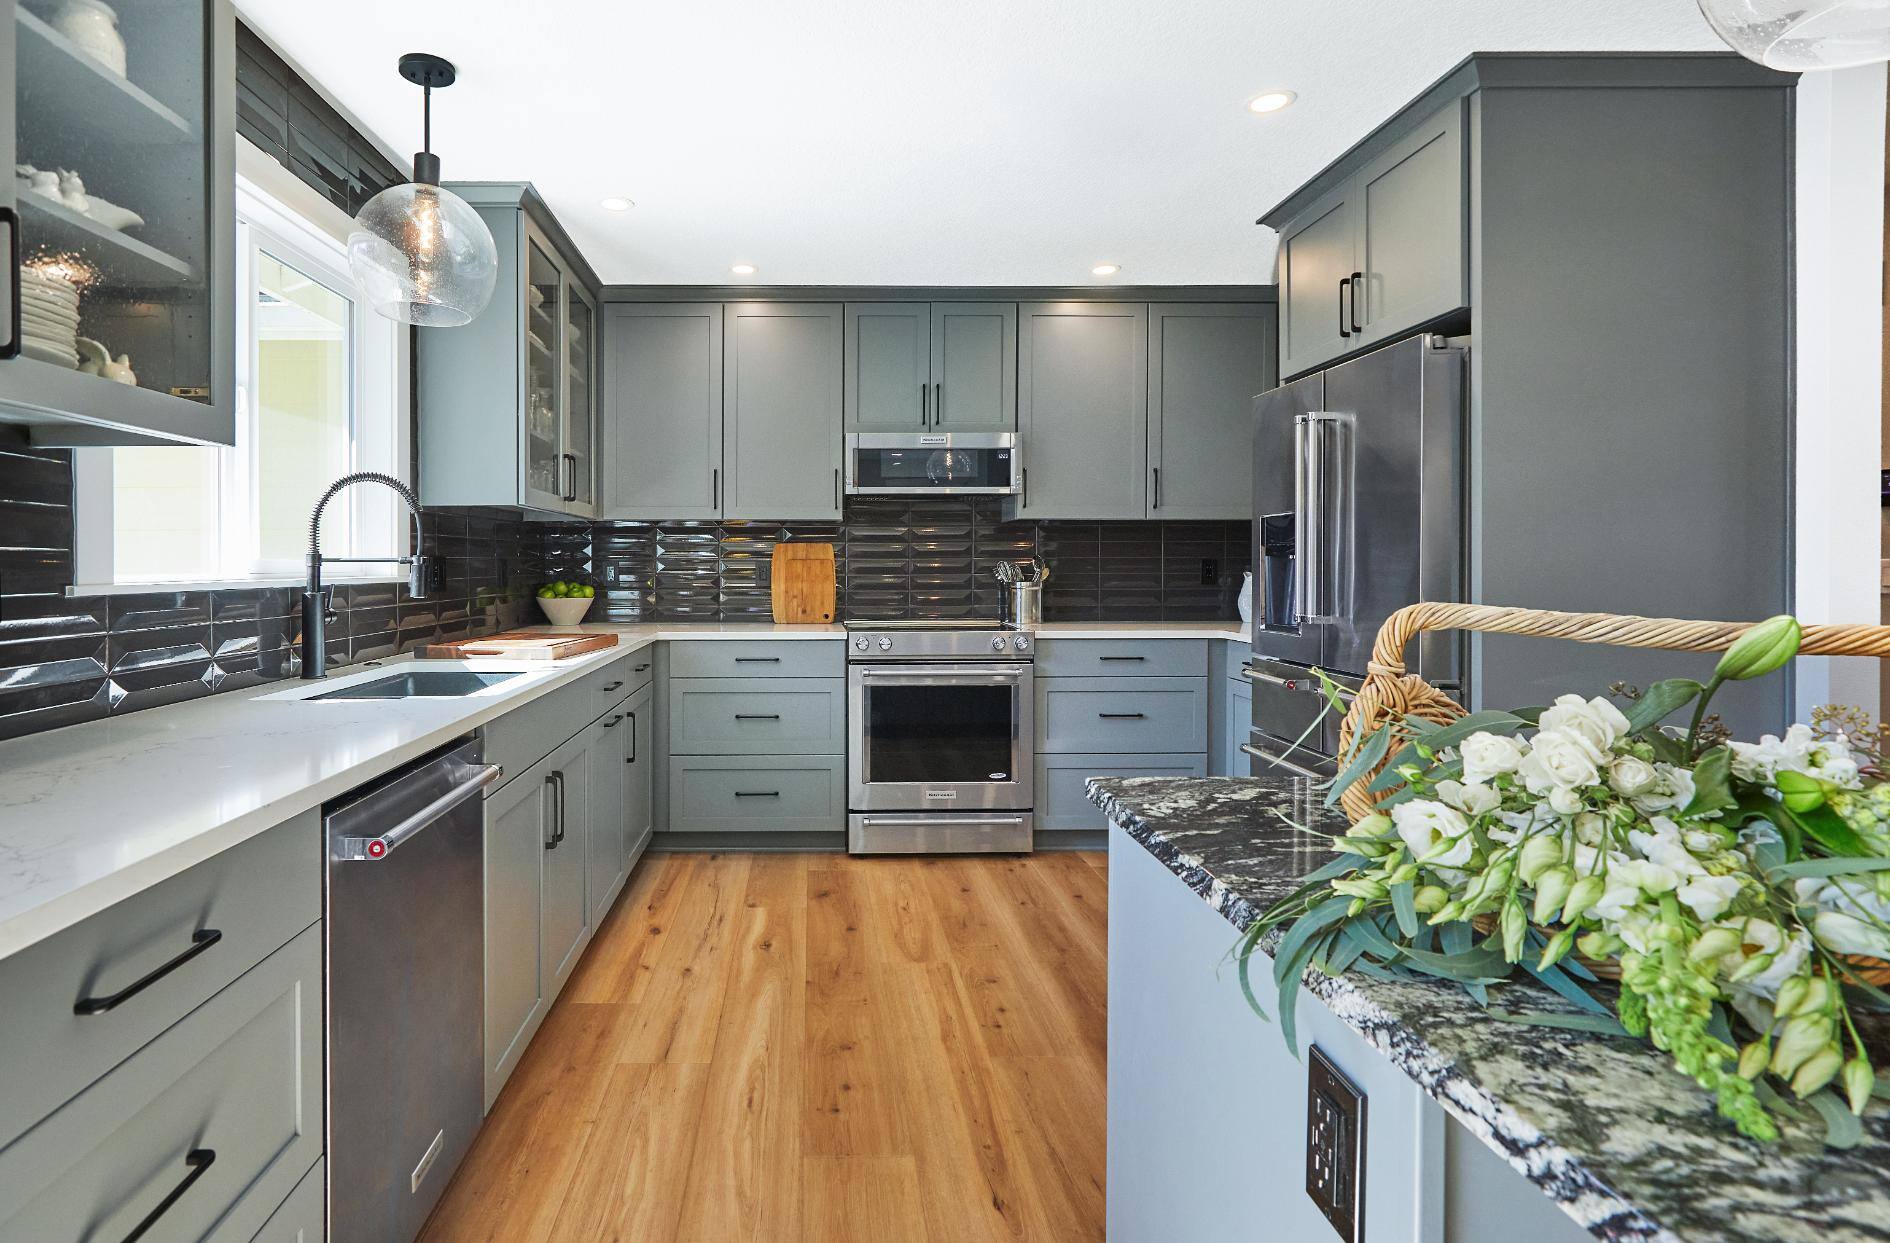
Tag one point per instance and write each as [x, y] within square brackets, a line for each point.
[427, 71]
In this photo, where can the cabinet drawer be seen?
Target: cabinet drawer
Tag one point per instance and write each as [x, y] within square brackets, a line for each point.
[742, 658]
[1062, 790]
[757, 794]
[240, 1077]
[1092, 658]
[303, 1217]
[619, 680]
[257, 895]
[531, 731]
[1122, 715]
[757, 716]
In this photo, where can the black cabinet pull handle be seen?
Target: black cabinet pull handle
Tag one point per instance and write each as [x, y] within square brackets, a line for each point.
[715, 488]
[551, 779]
[1122, 658]
[611, 723]
[938, 404]
[757, 794]
[639, 669]
[1344, 283]
[571, 460]
[1358, 279]
[757, 660]
[1123, 716]
[836, 487]
[757, 716]
[611, 686]
[1158, 487]
[200, 940]
[925, 405]
[199, 1160]
[561, 809]
[14, 327]
[1023, 474]
[633, 739]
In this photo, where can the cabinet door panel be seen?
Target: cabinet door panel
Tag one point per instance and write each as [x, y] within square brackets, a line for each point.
[1315, 255]
[517, 827]
[1082, 409]
[782, 387]
[639, 789]
[662, 454]
[888, 361]
[545, 471]
[580, 402]
[974, 366]
[565, 923]
[1412, 214]
[608, 843]
[1206, 364]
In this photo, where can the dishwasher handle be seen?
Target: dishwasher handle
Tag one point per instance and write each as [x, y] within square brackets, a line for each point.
[374, 849]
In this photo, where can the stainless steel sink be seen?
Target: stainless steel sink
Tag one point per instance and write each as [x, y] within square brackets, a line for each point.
[419, 684]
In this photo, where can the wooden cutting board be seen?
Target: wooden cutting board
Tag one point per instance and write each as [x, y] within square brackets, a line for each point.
[523, 645]
[803, 580]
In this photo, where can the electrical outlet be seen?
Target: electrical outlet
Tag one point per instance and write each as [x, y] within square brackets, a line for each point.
[436, 574]
[1335, 1146]
[1210, 571]
[610, 574]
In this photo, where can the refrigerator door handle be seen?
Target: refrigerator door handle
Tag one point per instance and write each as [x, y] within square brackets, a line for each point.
[1319, 508]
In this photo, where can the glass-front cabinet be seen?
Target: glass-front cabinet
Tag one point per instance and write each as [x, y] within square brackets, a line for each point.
[508, 402]
[120, 324]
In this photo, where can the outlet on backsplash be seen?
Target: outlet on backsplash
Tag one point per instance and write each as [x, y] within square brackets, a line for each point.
[1210, 571]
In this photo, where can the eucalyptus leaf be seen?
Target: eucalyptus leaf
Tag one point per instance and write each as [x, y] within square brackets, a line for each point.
[1404, 905]
[1375, 941]
[1367, 758]
[1473, 964]
[1455, 937]
[1340, 959]
[1491, 721]
[1842, 1128]
[1289, 996]
[1246, 984]
[1566, 988]
[1602, 1024]
[1660, 701]
[1304, 929]
[1830, 867]
[1479, 993]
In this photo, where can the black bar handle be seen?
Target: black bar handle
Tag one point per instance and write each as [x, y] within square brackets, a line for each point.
[639, 669]
[1122, 658]
[757, 716]
[1123, 716]
[757, 794]
[1023, 474]
[715, 487]
[551, 779]
[613, 721]
[199, 1160]
[1158, 487]
[632, 758]
[938, 404]
[200, 940]
[925, 404]
[1358, 279]
[14, 326]
[572, 459]
[757, 660]
[610, 686]
[561, 808]
[1344, 283]
[836, 487]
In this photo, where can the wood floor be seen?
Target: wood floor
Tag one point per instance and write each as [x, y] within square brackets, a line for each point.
[813, 1047]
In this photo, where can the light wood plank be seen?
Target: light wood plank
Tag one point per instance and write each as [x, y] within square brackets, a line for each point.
[862, 1200]
[631, 1157]
[676, 1001]
[850, 1084]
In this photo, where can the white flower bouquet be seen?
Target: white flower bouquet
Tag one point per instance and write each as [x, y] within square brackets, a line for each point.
[1740, 892]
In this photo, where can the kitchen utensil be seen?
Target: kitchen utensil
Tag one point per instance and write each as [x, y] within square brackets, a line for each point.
[1023, 605]
[93, 29]
[803, 581]
[524, 644]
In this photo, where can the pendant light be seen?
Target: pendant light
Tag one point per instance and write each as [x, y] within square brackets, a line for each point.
[1798, 35]
[419, 253]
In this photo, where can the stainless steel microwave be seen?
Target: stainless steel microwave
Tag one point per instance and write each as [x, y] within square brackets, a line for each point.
[933, 464]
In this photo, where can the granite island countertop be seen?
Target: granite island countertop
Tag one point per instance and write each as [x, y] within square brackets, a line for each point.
[1623, 1142]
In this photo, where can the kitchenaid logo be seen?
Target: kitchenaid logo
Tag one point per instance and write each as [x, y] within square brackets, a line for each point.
[941, 794]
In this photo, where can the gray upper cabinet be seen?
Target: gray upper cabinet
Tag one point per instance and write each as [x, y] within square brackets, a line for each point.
[507, 412]
[1413, 260]
[662, 433]
[781, 393]
[1383, 251]
[889, 366]
[974, 366]
[1082, 409]
[157, 139]
[1206, 362]
[931, 366]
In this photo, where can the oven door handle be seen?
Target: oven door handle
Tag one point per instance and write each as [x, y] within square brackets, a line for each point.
[894, 820]
[946, 675]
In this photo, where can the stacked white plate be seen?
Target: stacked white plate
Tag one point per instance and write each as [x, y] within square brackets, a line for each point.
[49, 318]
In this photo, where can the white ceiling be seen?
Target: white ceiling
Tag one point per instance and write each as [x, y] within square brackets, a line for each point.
[885, 142]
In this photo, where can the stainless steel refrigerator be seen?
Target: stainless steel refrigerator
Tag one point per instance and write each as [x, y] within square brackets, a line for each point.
[1359, 510]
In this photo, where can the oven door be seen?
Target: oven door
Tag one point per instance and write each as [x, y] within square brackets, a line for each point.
[939, 737]
[932, 464]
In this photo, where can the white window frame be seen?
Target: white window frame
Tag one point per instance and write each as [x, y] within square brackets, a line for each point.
[278, 213]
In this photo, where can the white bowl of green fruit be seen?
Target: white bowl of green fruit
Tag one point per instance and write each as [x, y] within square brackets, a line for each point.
[566, 603]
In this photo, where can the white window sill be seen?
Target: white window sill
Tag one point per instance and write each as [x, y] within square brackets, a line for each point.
[224, 584]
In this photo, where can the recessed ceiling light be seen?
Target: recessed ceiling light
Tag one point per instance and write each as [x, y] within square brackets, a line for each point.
[743, 269]
[1272, 101]
[1105, 269]
[616, 202]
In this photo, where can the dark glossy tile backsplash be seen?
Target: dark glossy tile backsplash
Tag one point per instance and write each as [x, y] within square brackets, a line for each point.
[897, 558]
[64, 659]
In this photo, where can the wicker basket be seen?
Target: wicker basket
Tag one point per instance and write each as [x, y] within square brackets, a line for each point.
[1390, 693]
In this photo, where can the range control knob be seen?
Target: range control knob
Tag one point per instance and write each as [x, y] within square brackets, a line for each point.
[1021, 643]
[885, 643]
[997, 643]
[860, 644]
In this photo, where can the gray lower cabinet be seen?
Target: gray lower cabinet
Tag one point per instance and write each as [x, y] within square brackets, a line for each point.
[757, 793]
[619, 799]
[565, 919]
[662, 426]
[1206, 363]
[519, 819]
[1122, 715]
[1062, 783]
[303, 1217]
[640, 782]
[1082, 408]
[758, 658]
[1125, 657]
[240, 906]
[781, 410]
[214, 1122]
[931, 366]
[757, 716]
[1237, 717]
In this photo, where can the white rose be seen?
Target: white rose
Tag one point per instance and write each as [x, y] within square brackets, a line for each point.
[1629, 775]
[1847, 934]
[1564, 801]
[1595, 721]
[1643, 874]
[1472, 799]
[1591, 828]
[1673, 790]
[1661, 843]
[1425, 824]
[1485, 755]
[1708, 896]
[1558, 759]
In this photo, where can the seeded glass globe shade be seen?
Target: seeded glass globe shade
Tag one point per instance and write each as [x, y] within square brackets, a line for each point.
[1799, 35]
[422, 255]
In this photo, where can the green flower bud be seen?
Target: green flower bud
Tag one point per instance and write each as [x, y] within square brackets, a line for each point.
[1597, 945]
[1556, 949]
[1586, 893]
[1802, 1037]
[1552, 889]
[1539, 854]
[1752, 1059]
[1360, 887]
[1859, 1078]
[1758, 964]
[1514, 926]
[1817, 996]
[1449, 913]
[1761, 649]
[1363, 849]
[1354, 907]
[1714, 943]
[1378, 824]
[1430, 898]
[1819, 1069]
[1402, 873]
[1790, 993]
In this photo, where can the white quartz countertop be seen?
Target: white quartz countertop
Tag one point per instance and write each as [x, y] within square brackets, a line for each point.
[94, 813]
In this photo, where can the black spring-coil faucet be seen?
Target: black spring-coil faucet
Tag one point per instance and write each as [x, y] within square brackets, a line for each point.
[316, 599]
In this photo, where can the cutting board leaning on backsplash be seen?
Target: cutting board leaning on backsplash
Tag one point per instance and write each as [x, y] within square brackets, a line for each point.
[803, 581]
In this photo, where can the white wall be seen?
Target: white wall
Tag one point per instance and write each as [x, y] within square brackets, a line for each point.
[1840, 221]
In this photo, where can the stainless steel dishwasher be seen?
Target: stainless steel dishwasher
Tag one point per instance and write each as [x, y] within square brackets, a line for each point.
[405, 981]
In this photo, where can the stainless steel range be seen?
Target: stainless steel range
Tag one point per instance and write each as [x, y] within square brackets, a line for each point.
[940, 727]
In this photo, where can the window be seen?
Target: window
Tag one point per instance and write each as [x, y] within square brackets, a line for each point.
[321, 390]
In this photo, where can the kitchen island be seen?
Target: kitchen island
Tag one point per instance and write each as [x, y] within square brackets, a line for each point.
[1476, 1128]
